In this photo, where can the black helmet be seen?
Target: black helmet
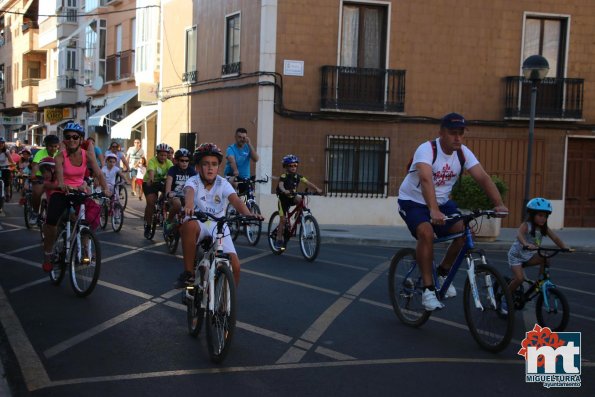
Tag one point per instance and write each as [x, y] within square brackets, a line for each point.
[182, 152]
[207, 149]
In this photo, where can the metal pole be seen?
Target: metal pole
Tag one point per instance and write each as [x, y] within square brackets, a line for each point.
[530, 147]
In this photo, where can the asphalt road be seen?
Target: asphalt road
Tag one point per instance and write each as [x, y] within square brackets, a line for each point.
[322, 328]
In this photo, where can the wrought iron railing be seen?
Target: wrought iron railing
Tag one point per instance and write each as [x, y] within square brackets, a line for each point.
[557, 98]
[347, 88]
[230, 68]
[119, 65]
[356, 166]
[190, 77]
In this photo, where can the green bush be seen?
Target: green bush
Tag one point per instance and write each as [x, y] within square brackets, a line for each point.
[469, 195]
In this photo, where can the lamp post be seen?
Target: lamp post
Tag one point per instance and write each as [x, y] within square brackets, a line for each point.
[535, 68]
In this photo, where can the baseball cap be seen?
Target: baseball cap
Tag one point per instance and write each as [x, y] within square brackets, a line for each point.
[453, 120]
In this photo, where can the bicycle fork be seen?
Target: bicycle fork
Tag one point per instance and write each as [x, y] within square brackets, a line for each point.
[473, 282]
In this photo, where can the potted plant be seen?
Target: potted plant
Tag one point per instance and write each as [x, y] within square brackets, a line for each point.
[470, 196]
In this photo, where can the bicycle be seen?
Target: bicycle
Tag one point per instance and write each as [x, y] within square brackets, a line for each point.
[172, 238]
[489, 324]
[120, 187]
[112, 207]
[212, 294]
[78, 243]
[158, 215]
[5, 190]
[28, 211]
[551, 302]
[252, 229]
[300, 222]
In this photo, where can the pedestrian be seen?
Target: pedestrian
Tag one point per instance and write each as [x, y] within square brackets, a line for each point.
[133, 156]
[238, 157]
[141, 170]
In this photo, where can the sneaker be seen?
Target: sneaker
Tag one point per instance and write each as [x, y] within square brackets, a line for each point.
[33, 217]
[451, 292]
[503, 305]
[133, 193]
[279, 246]
[184, 279]
[430, 301]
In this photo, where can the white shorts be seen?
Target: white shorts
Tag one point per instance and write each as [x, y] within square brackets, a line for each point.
[209, 228]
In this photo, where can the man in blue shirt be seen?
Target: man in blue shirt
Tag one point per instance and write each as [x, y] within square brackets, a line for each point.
[238, 156]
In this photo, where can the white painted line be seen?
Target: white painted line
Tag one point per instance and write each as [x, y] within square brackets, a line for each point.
[20, 260]
[333, 354]
[324, 321]
[264, 332]
[27, 285]
[34, 373]
[292, 355]
[287, 281]
[26, 248]
[125, 290]
[67, 344]
[575, 290]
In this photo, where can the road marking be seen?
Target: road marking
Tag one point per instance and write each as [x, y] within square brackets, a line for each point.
[288, 281]
[67, 344]
[333, 354]
[27, 285]
[32, 368]
[125, 290]
[26, 248]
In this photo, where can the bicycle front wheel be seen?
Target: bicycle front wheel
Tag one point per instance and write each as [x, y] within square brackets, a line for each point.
[254, 226]
[234, 226]
[117, 217]
[123, 193]
[28, 212]
[85, 262]
[104, 215]
[171, 241]
[309, 236]
[405, 288]
[272, 233]
[194, 313]
[552, 312]
[490, 325]
[221, 321]
[58, 259]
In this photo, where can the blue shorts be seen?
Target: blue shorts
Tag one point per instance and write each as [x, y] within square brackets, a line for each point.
[414, 213]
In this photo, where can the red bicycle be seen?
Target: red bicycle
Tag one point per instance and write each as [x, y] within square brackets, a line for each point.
[300, 222]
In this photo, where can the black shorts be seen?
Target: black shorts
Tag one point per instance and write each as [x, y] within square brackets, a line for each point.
[153, 188]
[284, 203]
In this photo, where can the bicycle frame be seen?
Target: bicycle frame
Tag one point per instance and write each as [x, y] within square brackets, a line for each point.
[540, 286]
[295, 216]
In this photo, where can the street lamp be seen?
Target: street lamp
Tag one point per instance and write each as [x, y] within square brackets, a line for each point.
[535, 68]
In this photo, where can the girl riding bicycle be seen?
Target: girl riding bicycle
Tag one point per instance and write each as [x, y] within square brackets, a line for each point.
[529, 237]
[288, 183]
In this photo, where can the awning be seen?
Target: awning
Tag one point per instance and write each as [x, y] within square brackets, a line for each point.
[98, 118]
[123, 129]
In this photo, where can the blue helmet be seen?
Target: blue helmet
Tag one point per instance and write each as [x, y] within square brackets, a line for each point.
[539, 204]
[72, 126]
[290, 159]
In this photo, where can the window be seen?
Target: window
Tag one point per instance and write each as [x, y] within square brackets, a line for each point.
[90, 5]
[95, 51]
[232, 45]
[357, 166]
[363, 36]
[33, 70]
[191, 43]
[188, 140]
[146, 37]
[546, 37]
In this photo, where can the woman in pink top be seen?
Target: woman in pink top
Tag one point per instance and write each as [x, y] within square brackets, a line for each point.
[71, 165]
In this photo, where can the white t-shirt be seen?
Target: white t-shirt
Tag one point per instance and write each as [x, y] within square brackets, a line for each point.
[110, 175]
[213, 201]
[445, 170]
[141, 171]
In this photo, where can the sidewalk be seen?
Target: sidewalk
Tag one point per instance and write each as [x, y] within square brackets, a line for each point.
[581, 239]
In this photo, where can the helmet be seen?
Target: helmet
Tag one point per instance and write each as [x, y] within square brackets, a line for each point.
[26, 149]
[182, 153]
[162, 147]
[290, 159]
[539, 204]
[207, 149]
[2, 140]
[47, 162]
[110, 155]
[51, 140]
[74, 127]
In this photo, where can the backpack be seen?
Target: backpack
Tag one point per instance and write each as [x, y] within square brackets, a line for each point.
[460, 155]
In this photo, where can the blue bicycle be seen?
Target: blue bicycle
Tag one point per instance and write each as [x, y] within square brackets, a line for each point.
[485, 288]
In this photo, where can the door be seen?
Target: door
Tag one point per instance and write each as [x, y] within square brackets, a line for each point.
[579, 206]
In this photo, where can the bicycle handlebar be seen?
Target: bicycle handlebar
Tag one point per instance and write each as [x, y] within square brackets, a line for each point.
[252, 179]
[204, 216]
[476, 214]
[548, 252]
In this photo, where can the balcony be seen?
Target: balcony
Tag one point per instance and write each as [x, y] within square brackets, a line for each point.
[362, 89]
[557, 99]
[120, 66]
[31, 82]
[231, 69]
[190, 77]
[57, 91]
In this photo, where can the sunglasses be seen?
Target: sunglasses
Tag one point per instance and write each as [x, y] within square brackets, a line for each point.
[71, 137]
[183, 161]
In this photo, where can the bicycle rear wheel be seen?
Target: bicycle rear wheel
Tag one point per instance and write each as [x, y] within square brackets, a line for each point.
[43, 212]
[28, 211]
[405, 288]
[221, 321]
[85, 262]
[234, 226]
[272, 232]
[253, 227]
[555, 314]
[490, 326]
[309, 236]
[104, 214]
[58, 259]
[117, 217]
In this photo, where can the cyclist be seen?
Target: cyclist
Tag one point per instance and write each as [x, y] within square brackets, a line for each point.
[71, 165]
[529, 236]
[47, 167]
[174, 184]
[288, 184]
[424, 199]
[207, 192]
[110, 170]
[153, 182]
[238, 157]
[5, 162]
[51, 143]
[171, 155]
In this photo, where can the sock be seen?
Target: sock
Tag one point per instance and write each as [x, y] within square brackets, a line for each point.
[431, 288]
[442, 271]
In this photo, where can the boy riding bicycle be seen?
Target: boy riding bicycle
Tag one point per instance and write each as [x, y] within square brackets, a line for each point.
[288, 183]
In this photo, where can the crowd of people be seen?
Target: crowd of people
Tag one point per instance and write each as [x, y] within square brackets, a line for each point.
[188, 179]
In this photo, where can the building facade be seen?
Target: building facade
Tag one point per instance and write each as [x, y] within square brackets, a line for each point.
[353, 87]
